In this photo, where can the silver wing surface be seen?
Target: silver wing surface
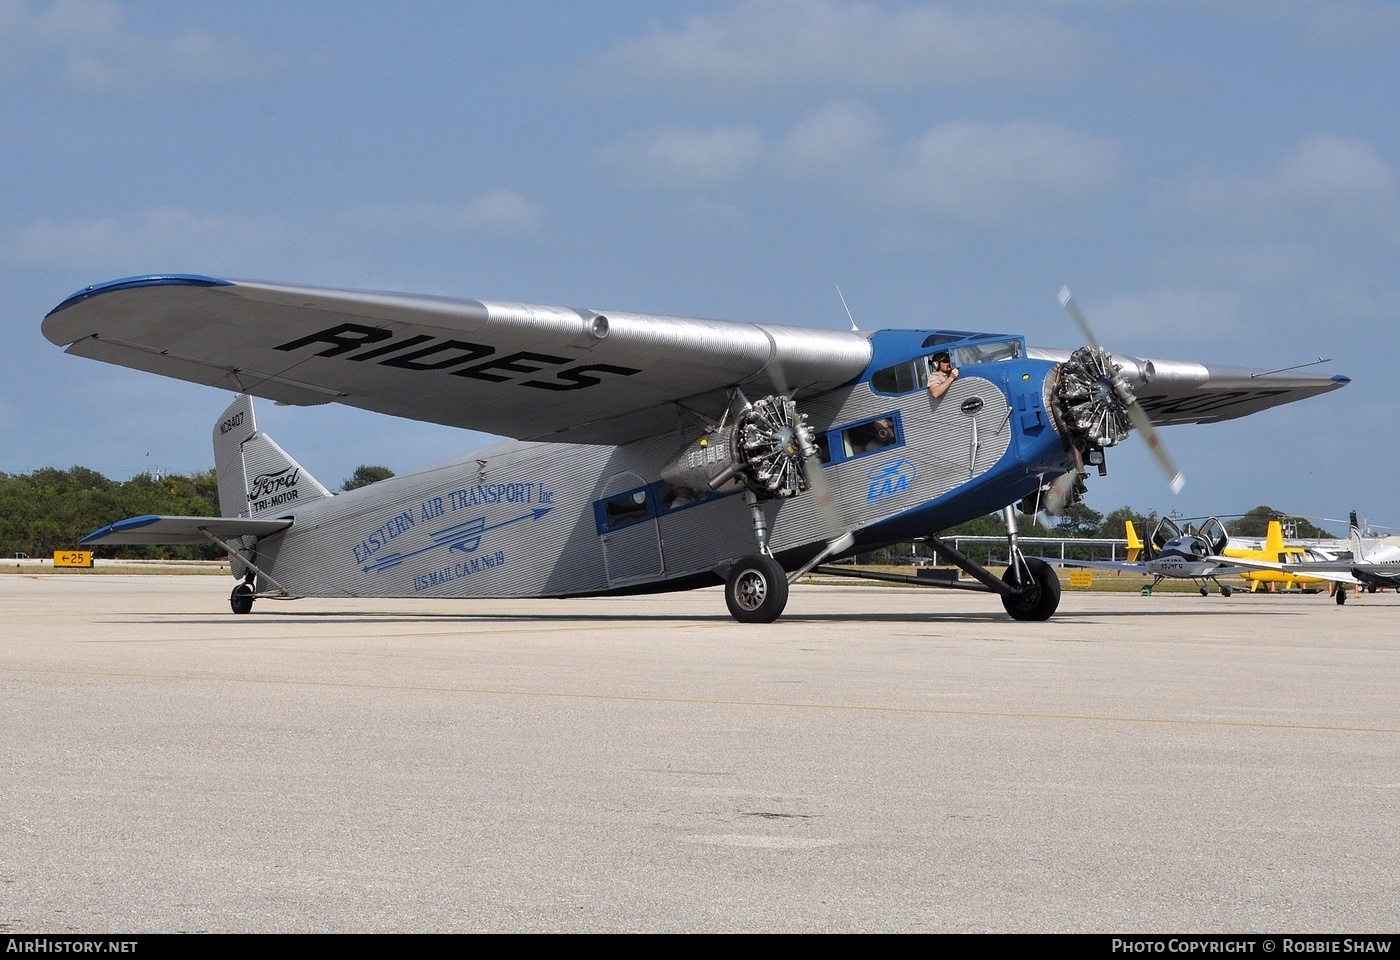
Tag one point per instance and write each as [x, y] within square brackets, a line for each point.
[522, 371]
[1123, 566]
[1178, 391]
[163, 530]
[1337, 571]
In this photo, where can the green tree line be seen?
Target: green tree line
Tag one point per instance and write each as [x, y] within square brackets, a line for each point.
[52, 509]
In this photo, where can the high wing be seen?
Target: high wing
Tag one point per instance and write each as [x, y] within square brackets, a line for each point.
[163, 530]
[522, 371]
[519, 370]
[1178, 391]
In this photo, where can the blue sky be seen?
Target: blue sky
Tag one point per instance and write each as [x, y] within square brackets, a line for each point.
[1216, 181]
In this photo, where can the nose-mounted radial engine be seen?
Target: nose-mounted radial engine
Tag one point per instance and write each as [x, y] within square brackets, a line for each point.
[1088, 399]
[1093, 406]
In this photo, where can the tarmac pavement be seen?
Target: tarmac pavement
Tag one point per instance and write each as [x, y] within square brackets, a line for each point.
[880, 759]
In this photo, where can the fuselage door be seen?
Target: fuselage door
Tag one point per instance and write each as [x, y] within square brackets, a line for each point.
[626, 519]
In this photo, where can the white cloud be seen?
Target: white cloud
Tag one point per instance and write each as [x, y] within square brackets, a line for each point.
[985, 172]
[966, 171]
[499, 211]
[715, 216]
[838, 138]
[172, 238]
[825, 44]
[1325, 182]
[91, 49]
[161, 238]
[685, 156]
[1175, 313]
[1263, 265]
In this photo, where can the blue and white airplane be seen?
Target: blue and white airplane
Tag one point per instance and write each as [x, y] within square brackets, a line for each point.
[650, 453]
[1174, 554]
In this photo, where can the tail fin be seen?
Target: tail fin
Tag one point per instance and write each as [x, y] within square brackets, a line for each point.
[1358, 548]
[1134, 544]
[256, 476]
[1273, 541]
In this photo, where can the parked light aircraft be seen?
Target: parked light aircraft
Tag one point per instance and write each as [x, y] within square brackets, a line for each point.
[1172, 554]
[1371, 567]
[651, 453]
[1275, 550]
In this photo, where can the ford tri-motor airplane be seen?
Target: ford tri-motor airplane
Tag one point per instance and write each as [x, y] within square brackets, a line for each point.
[651, 453]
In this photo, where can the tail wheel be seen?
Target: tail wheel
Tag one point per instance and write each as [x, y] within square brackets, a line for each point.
[756, 589]
[1039, 598]
[241, 600]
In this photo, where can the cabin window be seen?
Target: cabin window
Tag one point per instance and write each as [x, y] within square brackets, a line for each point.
[623, 509]
[902, 377]
[859, 439]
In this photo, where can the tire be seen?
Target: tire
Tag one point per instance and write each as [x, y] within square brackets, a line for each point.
[756, 589]
[1225, 591]
[241, 600]
[1341, 594]
[1041, 600]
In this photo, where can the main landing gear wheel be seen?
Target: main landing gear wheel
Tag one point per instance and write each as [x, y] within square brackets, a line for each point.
[1341, 595]
[1224, 591]
[241, 600]
[756, 589]
[1041, 597]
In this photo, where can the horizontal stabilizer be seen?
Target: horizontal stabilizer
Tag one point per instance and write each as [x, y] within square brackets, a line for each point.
[173, 530]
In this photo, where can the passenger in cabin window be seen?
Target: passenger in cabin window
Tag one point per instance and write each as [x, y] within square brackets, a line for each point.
[680, 497]
[941, 377]
[871, 436]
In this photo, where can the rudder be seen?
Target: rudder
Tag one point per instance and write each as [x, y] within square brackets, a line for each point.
[256, 475]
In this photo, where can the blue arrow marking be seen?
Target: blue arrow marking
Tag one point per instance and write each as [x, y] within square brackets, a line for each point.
[462, 537]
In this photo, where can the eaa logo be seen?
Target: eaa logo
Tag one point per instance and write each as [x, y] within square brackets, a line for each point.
[890, 479]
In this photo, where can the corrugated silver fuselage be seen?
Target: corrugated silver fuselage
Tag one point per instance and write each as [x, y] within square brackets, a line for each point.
[519, 519]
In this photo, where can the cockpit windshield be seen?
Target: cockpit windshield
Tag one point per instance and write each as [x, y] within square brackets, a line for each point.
[914, 374]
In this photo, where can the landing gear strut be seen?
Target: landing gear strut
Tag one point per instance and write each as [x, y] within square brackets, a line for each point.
[1029, 589]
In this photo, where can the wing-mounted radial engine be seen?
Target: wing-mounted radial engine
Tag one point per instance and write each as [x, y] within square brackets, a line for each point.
[764, 450]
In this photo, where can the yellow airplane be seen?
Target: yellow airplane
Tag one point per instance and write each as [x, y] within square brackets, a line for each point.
[1275, 551]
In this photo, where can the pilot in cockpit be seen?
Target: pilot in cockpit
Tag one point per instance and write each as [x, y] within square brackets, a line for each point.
[941, 377]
